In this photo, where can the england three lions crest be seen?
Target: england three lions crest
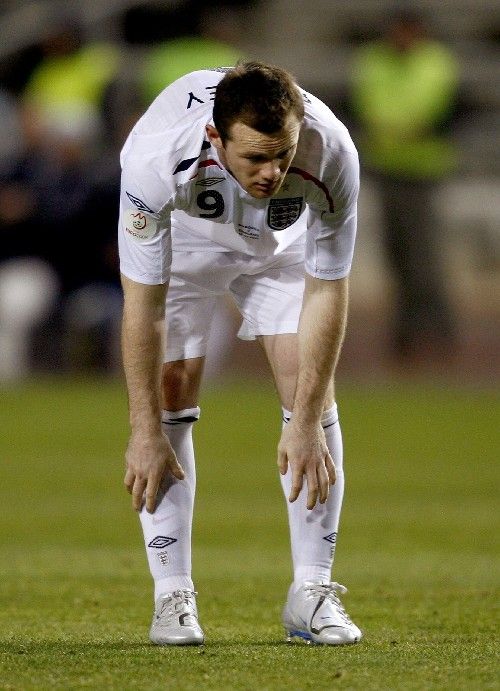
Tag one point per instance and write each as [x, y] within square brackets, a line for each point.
[282, 213]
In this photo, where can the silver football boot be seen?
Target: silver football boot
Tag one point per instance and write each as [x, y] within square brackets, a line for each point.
[175, 620]
[315, 614]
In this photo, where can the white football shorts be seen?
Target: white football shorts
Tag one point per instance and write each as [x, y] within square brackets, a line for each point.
[267, 291]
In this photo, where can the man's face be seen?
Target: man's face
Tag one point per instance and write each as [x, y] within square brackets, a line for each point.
[258, 161]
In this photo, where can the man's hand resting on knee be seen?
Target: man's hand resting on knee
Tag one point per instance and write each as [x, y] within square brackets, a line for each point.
[304, 450]
[149, 458]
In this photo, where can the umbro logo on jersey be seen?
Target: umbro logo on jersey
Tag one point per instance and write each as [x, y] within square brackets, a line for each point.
[208, 182]
[282, 213]
[139, 203]
[332, 538]
[161, 541]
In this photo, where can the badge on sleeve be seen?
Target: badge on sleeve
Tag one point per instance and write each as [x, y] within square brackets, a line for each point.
[141, 226]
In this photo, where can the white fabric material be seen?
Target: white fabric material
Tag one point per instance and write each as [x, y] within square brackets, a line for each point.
[313, 533]
[267, 291]
[172, 180]
[167, 532]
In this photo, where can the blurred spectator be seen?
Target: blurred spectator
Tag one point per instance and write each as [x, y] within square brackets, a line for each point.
[70, 80]
[212, 44]
[403, 91]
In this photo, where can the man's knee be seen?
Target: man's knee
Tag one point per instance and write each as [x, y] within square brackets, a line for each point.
[181, 381]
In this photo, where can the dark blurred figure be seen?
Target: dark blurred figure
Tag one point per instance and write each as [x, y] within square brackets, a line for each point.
[29, 285]
[403, 93]
[57, 225]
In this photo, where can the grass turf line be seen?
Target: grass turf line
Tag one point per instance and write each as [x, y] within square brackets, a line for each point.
[418, 544]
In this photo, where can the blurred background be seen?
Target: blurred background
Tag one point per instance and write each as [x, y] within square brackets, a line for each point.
[415, 82]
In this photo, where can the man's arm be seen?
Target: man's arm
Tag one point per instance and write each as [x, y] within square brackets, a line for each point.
[320, 337]
[149, 454]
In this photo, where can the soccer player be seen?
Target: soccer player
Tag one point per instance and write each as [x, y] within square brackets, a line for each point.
[237, 181]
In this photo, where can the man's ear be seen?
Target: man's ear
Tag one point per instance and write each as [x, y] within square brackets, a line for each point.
[214, 137]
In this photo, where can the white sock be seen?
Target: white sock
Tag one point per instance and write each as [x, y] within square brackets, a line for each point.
[167, 532]
[313, 534]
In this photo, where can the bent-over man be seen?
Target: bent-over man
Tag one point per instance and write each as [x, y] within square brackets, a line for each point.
[237, 181]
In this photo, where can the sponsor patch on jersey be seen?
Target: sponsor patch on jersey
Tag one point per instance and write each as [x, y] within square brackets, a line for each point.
[139, 225]
[248, 231]
[283, 213]
[139, 203]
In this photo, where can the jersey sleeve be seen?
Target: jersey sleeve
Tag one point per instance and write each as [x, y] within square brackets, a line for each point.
[144, 240]
[332, 224]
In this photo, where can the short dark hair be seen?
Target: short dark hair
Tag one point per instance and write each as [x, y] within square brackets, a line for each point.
[260, 96]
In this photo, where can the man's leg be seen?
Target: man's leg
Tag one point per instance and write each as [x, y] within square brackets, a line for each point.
[313, 610]
[198, 279]
[423, 320]
[167, 532]
[312, 533]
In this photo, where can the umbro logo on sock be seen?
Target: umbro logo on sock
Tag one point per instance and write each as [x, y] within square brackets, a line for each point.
[161, 541]
[332, 538]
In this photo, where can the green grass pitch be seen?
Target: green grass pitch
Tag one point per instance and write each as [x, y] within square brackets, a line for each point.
[418, 545]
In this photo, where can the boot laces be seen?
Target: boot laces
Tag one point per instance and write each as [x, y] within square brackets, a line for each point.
[329, 592]
[176, 603]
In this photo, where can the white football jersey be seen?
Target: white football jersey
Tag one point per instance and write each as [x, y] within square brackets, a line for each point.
[174, 188]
